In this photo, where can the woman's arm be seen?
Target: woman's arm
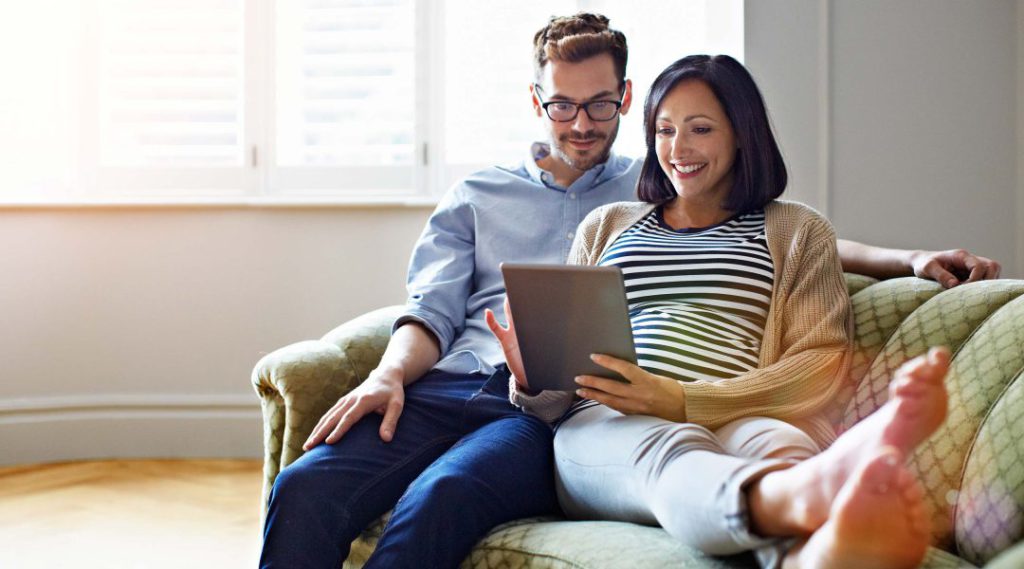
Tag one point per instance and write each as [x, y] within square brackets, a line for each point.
[949, 268]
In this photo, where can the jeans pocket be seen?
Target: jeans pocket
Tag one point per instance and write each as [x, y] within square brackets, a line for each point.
[497, 383]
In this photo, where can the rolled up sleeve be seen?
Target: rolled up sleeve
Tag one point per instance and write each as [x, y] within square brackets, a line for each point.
[441, 270]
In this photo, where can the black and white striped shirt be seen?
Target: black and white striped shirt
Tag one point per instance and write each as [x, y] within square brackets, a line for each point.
[698, 298]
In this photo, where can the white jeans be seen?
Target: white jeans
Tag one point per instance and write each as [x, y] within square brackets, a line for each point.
[681, 476]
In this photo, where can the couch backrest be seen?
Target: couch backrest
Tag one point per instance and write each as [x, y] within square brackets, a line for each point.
[972, 469]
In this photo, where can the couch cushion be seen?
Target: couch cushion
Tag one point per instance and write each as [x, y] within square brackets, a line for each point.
[551, 543]
[957, 318]
[877, 311]
[895, 320]
[558, 544]
[908, 318]
[856, 283]
[990, 507]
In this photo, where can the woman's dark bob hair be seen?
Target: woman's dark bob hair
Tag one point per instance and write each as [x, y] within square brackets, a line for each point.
[759, 173]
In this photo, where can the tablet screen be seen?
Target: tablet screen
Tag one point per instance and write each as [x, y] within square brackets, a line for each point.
[564, 313]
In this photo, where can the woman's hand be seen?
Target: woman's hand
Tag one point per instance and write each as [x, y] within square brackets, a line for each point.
[509, 344]
[646, 394]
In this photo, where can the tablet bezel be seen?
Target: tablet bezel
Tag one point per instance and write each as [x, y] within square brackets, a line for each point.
[564, 313]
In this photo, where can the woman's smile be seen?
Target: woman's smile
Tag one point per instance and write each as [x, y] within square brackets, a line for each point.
[684, 171]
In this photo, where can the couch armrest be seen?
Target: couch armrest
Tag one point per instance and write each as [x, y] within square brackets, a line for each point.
[363, 339]
[298, 383]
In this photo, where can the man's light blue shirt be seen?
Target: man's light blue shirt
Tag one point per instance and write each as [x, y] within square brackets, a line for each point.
[501, 214]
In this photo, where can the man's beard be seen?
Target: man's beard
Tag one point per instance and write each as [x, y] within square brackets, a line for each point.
[596, 155]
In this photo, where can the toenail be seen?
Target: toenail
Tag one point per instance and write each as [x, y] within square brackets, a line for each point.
[951, 497]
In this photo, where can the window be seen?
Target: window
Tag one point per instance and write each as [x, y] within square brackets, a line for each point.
[380, 100]
[169, 113]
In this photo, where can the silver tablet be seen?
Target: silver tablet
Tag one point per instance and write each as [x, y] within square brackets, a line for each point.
[564, 313]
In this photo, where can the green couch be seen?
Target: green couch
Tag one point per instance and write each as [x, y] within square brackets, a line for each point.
[972, 469]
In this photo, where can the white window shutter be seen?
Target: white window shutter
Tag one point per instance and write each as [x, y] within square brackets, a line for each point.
[345, 82]
[171, 81]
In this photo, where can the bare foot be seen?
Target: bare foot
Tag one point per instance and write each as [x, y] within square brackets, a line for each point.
[876, 522]
[797, 500]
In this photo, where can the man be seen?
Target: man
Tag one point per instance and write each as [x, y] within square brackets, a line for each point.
[464, 459]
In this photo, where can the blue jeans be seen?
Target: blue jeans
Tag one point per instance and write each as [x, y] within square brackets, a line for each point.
[463, 460]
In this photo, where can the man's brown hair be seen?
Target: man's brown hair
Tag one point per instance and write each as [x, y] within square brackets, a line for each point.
[579, 37]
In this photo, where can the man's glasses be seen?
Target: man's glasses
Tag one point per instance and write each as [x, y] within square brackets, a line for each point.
[565, 111]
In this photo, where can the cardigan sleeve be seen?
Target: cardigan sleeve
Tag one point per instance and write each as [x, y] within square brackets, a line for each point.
[814, 356]
[547, 405]
[582, 251]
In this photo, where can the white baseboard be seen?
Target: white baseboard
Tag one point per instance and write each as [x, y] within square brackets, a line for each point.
[52, 429]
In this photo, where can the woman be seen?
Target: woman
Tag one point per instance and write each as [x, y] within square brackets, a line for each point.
[741, 320]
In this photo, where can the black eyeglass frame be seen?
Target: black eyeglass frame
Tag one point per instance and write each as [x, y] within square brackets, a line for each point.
[585, 106]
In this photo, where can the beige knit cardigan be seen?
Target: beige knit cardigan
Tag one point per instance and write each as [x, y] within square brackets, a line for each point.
[806, 349]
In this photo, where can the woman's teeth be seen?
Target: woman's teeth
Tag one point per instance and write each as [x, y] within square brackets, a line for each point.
[689, 168]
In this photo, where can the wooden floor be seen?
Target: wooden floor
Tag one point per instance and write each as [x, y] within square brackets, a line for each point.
[131, 514]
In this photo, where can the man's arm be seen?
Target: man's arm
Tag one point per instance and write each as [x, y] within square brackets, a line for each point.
[411, 352]
[949, 268]
[440, 277]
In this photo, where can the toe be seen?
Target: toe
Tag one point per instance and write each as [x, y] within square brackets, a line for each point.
[910, 386]
[906, 479]
[939, 356]
[913, 374]
[911, 492]
[880, 470]
[909, 407]
[913, 367]
[938, 364]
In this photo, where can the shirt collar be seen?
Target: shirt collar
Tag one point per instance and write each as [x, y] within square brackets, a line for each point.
[589, 179]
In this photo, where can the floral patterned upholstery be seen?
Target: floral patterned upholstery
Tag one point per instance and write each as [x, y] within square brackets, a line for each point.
[972, 469]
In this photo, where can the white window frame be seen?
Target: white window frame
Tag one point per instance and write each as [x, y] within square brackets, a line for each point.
[259, 181]
[319, 183]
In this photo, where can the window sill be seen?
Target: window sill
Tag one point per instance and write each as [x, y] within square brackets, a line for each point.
[227, 203]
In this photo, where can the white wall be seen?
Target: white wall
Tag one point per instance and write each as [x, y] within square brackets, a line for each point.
[132, 331]
[898, 117]
[1020, 137]
[783, 46]
[924, 137]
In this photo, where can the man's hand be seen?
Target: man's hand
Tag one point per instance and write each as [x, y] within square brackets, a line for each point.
[952, 267]
[383, 393]
[646, 394]
[509, 344]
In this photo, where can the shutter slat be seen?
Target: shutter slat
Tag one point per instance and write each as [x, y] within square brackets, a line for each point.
[346, 91]
[171, 83]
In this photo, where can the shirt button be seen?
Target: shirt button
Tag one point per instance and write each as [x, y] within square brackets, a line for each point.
[569, 236]
[572, 196]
